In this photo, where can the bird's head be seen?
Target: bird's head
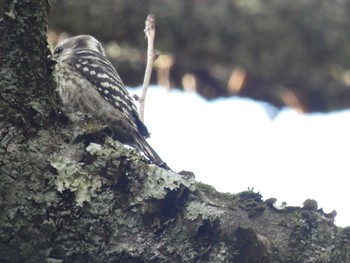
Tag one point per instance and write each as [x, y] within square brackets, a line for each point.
[78, 42]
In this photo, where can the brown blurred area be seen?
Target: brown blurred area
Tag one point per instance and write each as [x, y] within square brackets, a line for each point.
[292, 53]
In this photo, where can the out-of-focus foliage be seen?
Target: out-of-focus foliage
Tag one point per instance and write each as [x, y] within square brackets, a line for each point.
[289, 52]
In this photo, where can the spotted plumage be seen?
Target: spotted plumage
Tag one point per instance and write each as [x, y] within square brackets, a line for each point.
[88, 82]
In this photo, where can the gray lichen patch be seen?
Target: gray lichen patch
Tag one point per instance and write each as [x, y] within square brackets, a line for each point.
[147, 181]
[83, 178]
[159, 182]
[74, 177]
[196, 208]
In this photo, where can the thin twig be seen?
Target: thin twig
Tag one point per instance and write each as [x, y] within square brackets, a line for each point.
[150, 33]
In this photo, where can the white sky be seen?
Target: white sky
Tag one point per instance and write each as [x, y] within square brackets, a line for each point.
[233, 144]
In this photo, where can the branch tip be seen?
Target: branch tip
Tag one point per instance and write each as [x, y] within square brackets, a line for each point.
[150, 32]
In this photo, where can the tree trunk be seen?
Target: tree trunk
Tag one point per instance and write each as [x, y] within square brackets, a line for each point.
[89, 199]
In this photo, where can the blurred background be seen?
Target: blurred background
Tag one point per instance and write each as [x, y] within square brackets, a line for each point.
[247, 93]
[293, 53]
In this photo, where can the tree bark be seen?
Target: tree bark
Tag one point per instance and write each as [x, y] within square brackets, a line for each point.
[90, 199]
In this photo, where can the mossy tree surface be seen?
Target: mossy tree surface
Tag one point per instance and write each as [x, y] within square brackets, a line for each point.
[90, 199]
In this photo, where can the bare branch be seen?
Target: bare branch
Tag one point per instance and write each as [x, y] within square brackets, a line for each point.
[150, 33]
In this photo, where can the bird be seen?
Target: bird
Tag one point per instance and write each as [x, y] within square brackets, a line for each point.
[88, 82]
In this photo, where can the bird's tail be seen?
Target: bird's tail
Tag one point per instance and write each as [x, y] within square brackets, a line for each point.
[150, 153]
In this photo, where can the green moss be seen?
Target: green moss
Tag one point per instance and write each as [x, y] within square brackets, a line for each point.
[250, 194]
[211, 192]
[205, 188]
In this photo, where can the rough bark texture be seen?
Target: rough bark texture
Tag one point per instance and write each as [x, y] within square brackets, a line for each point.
[90, 199]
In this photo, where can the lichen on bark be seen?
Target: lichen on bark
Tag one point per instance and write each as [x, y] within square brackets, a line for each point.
[139, 212]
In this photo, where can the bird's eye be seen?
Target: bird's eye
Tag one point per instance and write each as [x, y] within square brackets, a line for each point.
[58, 50]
